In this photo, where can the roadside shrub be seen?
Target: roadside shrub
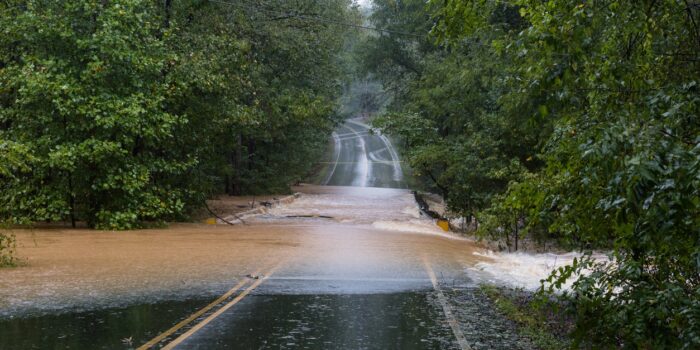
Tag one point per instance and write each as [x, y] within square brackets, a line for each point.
[8, 250]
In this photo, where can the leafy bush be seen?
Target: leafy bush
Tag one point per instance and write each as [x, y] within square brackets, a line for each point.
[8, 250]
[574, 121]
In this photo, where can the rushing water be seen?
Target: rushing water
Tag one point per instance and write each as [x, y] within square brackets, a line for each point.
[351, 271]
[394, 210]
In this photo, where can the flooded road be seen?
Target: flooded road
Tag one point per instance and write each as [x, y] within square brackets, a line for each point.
[379, 321]
[340, 267]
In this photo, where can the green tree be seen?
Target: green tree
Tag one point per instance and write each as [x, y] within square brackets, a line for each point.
[83, 95]
[122, 113]
[589, 118]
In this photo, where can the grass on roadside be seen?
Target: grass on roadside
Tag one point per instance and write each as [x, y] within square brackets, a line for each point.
[529, 319]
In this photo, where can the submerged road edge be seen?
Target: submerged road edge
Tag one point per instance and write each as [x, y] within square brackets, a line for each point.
[454, 324]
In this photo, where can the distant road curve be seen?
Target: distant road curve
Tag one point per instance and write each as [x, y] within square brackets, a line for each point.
[363, 158]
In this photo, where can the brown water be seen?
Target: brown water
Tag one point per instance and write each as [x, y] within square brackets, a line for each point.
[340, 267]
[374, 235]
[353, 256]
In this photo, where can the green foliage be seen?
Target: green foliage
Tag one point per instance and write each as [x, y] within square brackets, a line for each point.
[85, 101]
[530, 321]
[449, 115]
[576, 122]
[120, 113]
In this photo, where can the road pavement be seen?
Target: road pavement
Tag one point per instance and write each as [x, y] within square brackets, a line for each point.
[363, 157]
[368, 283]
[350, 264]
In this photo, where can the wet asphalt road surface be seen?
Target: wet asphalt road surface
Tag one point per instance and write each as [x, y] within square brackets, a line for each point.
[328, 321]
[357, 267]
[364, 158]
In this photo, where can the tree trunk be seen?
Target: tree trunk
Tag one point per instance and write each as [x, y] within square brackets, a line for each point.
[516, 234]
[251, 153]
[236, 166]
[167, 6]
[507, 239]
[71, 200]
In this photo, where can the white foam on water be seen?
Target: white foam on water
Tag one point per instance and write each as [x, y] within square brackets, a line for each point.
[423, 226]
[381, 209]
[524, 270]
[413, 211]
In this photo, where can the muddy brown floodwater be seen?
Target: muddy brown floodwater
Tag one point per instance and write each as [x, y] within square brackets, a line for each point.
[336, 267]
[367, 239]
[329, 241]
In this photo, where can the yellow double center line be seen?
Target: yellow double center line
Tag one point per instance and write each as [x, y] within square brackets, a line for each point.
[207, 308]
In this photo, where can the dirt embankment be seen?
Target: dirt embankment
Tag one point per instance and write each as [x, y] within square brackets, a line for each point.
[230, 207]
[434, 205]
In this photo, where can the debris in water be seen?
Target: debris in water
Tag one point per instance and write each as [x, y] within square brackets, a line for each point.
[128, 341]
[310, 216]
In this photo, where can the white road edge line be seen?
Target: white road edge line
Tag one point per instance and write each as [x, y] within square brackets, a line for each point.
[338, 146]
[461, 340]
[398, 173]
[363, 164]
